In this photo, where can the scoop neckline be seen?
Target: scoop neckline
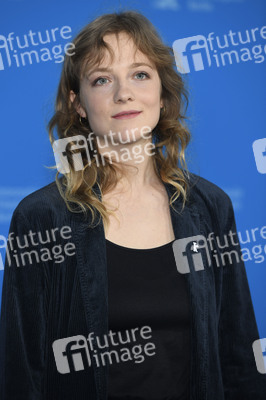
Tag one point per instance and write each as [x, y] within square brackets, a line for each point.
[135, 249]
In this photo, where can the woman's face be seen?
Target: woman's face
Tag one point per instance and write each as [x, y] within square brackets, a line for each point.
[128, 83]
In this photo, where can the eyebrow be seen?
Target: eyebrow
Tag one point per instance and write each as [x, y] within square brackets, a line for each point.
[103, 69]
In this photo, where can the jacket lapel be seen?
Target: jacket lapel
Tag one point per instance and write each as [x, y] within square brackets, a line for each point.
[187, 224]
[92, 268]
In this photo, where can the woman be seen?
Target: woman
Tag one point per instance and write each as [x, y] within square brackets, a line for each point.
[103, 271]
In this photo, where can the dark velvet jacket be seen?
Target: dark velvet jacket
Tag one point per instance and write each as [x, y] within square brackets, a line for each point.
[46, 301]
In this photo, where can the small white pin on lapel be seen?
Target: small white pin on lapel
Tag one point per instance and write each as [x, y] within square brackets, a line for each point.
[195, 247]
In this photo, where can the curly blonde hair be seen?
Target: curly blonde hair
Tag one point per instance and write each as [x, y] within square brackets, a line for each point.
[170, 136]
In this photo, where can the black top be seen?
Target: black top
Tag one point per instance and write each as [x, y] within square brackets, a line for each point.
[145, 289]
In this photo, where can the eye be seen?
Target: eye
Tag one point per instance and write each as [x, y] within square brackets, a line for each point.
[99, 80]
[145, 74]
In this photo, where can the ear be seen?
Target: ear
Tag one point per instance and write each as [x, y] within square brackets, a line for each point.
[80, 110]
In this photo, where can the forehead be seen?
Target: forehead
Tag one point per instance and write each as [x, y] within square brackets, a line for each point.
[124, 49]
[123, 52]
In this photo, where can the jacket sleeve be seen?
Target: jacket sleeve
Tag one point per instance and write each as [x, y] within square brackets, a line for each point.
[237, 326]
[22, 323]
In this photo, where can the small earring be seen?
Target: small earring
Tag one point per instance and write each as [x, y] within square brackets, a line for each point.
[80, 120]
[163, 108]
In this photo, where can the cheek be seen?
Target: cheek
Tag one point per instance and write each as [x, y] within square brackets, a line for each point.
[95, 113]
[92, 103]
[98, 103]
[152, 97]
[94, 109]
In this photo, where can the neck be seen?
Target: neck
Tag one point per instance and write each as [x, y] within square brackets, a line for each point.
[134, 164]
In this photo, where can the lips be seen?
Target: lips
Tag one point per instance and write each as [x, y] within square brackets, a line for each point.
[127, 114]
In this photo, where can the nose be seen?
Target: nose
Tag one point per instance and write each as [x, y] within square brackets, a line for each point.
[123, 92]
